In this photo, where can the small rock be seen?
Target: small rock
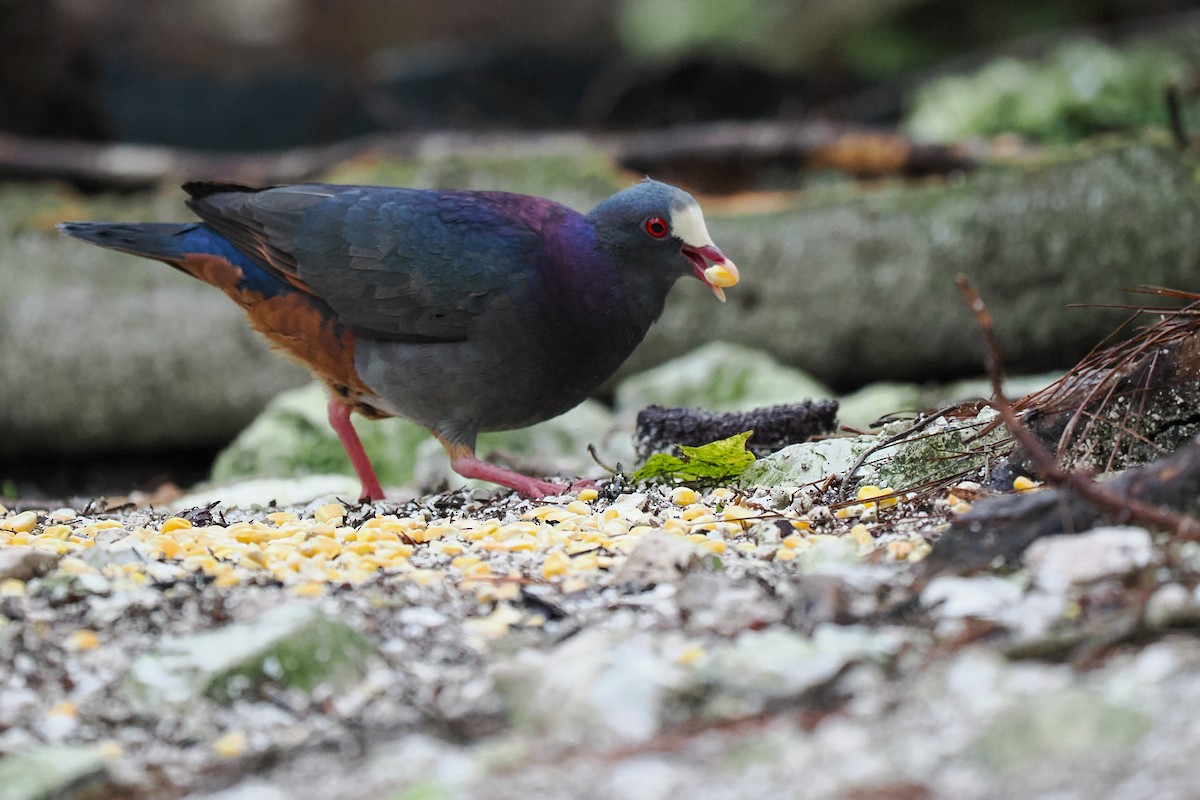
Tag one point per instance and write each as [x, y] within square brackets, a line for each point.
[58, 771]
[778, 665]
[294, 645]
[25, 563]
[1170, 605]
[595, 687]
[658, 558]
[1059, 562]
[808, 462]
[985, 597]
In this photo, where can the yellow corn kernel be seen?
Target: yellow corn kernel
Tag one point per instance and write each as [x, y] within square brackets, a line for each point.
[110, 748]
[694, 511]
[683, 496]
[203, 563]
[20, 539]
[793, 541]
[20, 523]
[57, 532]
[51, 545]
[585, 563]
[900, 549]
[720, 275]
[432, 532]
[866, 493]
[480, 570]
[713, 546]
[231, 745]
[721, 493]
[167, 546]
[453, 549]
[845, 512]
[572, 585]
[676, 526]
[801, 524]
[330, 512]
[1023, 484]
[11, 587]
[309, 589]
[738, 513]
[82, 639]
[690, 654]
[525, 543]
[462, 562]
[556, 563]
[63, 708]
[785, 554]
[226, 580]
[587, 496]
[861, 534]
[249, 535]
[175, 524]
[320, 545]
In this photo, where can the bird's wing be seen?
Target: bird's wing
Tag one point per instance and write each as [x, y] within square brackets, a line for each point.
[401, 264]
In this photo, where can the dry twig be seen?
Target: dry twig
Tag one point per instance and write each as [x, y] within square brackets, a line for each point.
[1182, 526]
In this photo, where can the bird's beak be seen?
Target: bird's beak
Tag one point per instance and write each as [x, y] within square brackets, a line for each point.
[722, 274]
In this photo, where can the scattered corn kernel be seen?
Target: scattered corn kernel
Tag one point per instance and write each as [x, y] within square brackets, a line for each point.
[309, 589]
[226, 580]
[587, 496]
[866, 493]
[1024, 484]
[785, 554]
[20, 523]
[861, 534]
[175, 524]
[63, 708]
[556, 563]
[231, 745]
[690, 654]
[683, 496]
[330, 512]
[82, 639]
[900, 549]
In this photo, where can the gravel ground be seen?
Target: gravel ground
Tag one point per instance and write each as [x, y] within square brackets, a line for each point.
[616, 644]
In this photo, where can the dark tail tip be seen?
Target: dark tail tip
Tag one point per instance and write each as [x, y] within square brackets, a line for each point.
[200, 189]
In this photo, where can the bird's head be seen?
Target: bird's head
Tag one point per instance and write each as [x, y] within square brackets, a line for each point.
[657, 223]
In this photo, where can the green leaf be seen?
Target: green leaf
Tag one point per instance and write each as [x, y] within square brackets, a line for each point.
[708, 463]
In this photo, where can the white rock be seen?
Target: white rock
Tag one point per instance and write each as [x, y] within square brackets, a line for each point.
[984, 597]
[1059, 562]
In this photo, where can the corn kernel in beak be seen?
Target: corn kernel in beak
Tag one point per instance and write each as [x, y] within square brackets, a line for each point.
[721, 275]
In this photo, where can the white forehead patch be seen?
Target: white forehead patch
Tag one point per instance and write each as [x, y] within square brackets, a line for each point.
[687, 223]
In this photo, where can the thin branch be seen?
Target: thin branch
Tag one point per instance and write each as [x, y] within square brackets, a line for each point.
[1181, 525]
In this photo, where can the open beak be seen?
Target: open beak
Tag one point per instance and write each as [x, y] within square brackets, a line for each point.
[722, 274]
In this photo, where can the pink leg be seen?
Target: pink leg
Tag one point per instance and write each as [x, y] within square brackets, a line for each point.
[465, 463]
[472, 467]
[339, 420]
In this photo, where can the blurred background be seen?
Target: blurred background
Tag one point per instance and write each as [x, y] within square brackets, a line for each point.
[257, 74]
[852, 156]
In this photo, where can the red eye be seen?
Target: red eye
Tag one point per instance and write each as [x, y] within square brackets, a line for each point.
[656, 227]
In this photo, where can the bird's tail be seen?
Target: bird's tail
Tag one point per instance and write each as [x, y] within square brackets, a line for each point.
[164, 241]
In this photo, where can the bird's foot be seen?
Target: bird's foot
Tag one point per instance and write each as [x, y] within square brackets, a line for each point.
[532, 488]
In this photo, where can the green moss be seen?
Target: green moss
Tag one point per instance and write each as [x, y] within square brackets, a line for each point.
[1081, 89]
